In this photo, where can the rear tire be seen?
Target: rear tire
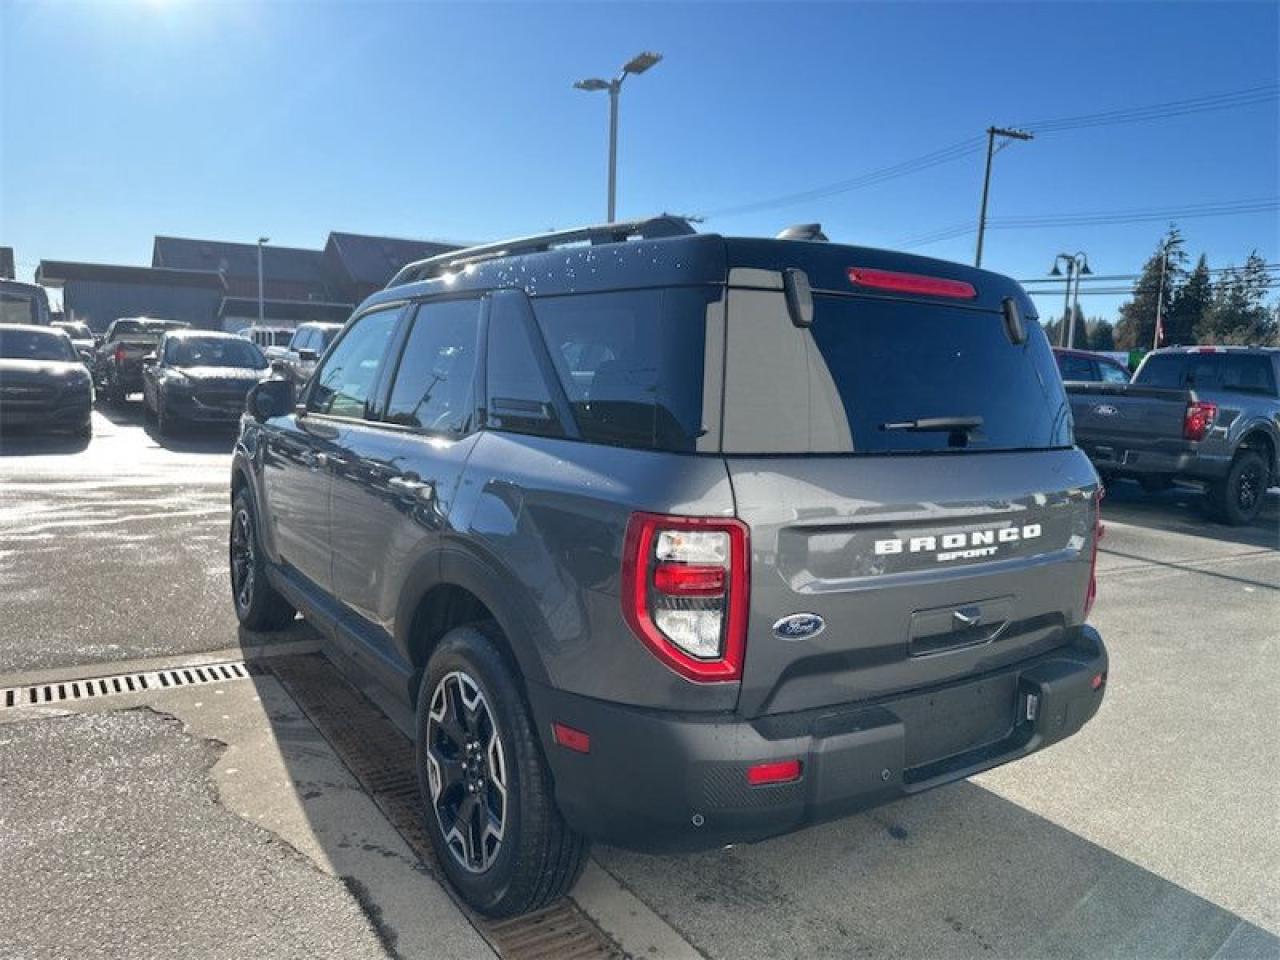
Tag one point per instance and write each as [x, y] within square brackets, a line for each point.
[259, 606]
[488, 799]
[1237, 498]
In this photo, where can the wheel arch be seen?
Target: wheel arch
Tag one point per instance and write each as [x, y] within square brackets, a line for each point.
[467, 589]
[1258, 437]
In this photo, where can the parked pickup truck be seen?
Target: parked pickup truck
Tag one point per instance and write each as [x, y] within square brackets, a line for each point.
[117, 367]
[1207, 414]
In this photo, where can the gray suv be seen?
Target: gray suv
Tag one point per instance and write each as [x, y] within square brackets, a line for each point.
[674, 540]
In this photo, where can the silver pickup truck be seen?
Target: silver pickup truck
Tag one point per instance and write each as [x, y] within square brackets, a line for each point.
[1206, 414]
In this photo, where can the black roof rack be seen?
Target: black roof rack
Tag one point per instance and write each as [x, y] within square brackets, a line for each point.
[650, 228]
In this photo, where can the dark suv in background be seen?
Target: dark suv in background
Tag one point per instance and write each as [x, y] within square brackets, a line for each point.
[678, 540]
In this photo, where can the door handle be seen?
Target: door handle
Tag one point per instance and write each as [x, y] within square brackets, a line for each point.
[423, 490]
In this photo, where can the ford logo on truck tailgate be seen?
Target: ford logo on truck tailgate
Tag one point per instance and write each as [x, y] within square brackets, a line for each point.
[799, 626]
[1105, 410]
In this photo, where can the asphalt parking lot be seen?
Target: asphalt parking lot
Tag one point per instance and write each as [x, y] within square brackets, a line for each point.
[220, 818]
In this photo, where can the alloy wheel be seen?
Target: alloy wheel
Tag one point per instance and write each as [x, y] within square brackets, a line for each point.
[1249, 487]
[466, 771]
[242, 565]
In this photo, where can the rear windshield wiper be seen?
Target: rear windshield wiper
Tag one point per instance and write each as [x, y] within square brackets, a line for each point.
[936, 425]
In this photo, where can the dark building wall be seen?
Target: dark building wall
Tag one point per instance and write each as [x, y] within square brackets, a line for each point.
[98, 302]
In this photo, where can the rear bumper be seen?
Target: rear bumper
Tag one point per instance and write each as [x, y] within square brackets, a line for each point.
[1131, 460]
[658, 781]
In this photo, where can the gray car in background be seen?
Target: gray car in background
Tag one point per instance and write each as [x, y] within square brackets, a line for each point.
[675, 540]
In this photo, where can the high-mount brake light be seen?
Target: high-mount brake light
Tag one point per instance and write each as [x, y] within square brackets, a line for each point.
[685, 591]
[911, 283]
[1199, 418]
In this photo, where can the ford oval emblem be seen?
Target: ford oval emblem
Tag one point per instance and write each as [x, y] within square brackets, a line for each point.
[799, 626]
[1105, 410]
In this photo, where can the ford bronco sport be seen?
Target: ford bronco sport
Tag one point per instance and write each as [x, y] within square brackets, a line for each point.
[674, 540]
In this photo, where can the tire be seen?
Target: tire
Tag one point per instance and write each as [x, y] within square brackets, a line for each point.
[471, 706]
[1155, 482]
[1237, 498]
[260, 607]
[166, 425]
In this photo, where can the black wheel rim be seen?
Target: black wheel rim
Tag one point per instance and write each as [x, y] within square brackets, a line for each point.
[1249, 487]
[466, 772]
[242, 566]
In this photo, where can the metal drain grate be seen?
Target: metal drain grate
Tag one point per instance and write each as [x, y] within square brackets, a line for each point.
[42, 694]
[381, 758]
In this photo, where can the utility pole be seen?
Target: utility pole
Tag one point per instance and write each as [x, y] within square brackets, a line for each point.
[261, 241]
[992, 133]
[1164, 267]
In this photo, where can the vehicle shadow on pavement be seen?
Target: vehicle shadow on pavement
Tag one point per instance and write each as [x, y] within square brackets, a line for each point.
[187, 438]
[29, 442]
[956, 872]
[1182, 509]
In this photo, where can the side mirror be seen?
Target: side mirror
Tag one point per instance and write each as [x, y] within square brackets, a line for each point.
[270, 398]
[308, 356]
[149, 360]
[279, 366]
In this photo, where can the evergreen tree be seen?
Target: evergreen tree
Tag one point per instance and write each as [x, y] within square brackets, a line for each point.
[1191, 303]
[1136, 326]
[1101, 336]
[1239, 312]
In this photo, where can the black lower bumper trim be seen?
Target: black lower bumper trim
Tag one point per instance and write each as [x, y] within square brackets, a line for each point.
[659, 781]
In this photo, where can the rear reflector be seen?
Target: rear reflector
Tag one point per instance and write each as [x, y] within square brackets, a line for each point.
[570, 738]
[689, 580]
[1098, 680]
[779, 771]
[911, 283]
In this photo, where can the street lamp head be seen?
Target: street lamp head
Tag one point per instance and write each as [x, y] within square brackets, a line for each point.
[1055, 272]
[595, 83]
[641, 62]
[1084, 270]
[264, 240]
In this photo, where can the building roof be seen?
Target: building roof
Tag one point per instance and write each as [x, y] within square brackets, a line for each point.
[56, 273]
[375, 260]
[296, 310]
[239, 259]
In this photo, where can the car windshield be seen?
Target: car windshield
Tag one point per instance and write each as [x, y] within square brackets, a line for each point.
[77, 331]
[213, 352]
[128, 328]
[35, 345]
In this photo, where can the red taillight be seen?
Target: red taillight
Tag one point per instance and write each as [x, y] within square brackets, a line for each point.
[1096, 682]
[778, 771]
[119, 354]
[1098, 531]
[571, 739]
[684, 592]
[1199, 419]
[911, 283]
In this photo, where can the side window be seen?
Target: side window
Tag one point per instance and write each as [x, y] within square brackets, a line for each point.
[1075, 368]
[631, 363]
[345, 382]
[519, 399]
[1112, 374]
[1162, 370]
[434, 385]
[1248, 373]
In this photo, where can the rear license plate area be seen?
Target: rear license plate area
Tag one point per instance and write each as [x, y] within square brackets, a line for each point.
[957, 719]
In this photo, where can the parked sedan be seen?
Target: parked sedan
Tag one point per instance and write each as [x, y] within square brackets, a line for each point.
[43, 381]
[198, 376]
[1085, 366]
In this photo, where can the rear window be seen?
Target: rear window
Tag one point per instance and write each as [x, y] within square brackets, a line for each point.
[868, 367]
[631, 364]
[18, 308]
[1249, 373]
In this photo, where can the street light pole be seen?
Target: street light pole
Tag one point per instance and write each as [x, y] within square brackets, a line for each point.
[1164, 267]
[992, 133]
[261, 241]
[637, 65]
[1077, 265]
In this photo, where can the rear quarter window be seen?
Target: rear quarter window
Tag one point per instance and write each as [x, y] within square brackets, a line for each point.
[630, 363]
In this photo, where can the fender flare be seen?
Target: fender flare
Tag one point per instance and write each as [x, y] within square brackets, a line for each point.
[489, 581]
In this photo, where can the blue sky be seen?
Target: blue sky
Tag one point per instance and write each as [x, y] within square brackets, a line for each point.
[122, 120]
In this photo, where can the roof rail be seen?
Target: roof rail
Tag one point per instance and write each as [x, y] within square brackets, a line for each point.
[650, 228]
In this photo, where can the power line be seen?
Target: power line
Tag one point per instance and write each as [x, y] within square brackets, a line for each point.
[972, 145]
[1115, 217]
[1096, 278]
